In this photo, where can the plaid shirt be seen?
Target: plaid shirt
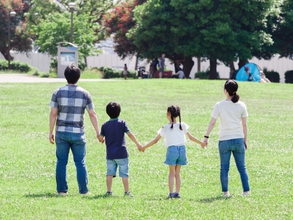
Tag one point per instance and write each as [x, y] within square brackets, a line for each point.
[71, 101]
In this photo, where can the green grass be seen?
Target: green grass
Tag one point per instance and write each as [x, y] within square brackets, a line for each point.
[27, 159]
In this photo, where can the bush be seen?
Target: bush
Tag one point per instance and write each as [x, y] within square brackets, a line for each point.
[289, 76]
[272, 75]
[109, 73]
[205, 74]
[15, 65]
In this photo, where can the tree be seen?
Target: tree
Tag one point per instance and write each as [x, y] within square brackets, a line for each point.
[283, 33]
[19, 37]
[118, 22]
[222, 29]
[50, 23]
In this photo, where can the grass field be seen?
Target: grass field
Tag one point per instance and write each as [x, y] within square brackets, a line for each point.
[27, 159]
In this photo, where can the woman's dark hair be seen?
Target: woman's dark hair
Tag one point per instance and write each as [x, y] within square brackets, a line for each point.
[72, 74]
[231, 87]
[113, 109]
[175, 112]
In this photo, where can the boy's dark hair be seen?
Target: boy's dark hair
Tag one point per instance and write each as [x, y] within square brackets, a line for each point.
[72, 74]
[113, 109]
[175, 112]
[231, 87]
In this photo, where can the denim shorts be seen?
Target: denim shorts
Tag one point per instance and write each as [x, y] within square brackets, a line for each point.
[176, 155]
[112, 166]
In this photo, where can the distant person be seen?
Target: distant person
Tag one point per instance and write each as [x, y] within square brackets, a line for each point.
[125, 71]
[112, 132]
[250, 78]
[179, 74]
[174, 139]
[68, 105]
[153, 68]
[233, 135]
[161, 65]
[263, 78]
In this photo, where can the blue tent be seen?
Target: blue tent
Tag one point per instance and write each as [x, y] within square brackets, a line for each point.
[249, 72]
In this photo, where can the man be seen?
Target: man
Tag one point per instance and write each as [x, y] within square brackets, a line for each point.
[67, 109]
[161, 65]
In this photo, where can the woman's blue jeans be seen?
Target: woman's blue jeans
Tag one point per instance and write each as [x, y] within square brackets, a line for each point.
[237, 148]
[77, 143]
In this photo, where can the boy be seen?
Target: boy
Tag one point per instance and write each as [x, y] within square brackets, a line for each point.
[112, 132]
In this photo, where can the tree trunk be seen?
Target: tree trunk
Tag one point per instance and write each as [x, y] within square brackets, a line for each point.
[241, 63]
[187, 66]
[85, 61]
[198, 64]
[6, 53]
[213, 68]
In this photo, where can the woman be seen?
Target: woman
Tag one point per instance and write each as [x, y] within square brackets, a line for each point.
[232, 136]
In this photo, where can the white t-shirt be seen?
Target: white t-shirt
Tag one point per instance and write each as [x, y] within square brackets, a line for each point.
[230, 115]
[174, 136]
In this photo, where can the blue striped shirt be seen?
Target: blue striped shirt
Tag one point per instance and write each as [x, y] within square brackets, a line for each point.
[71, 101]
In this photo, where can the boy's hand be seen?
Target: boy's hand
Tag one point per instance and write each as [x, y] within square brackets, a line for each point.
[101, 139]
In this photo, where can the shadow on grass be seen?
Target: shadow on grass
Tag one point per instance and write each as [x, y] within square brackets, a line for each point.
[41, 195]
[212, 199]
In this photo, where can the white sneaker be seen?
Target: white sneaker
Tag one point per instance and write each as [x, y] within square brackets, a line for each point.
[226, 194]
[246, 193]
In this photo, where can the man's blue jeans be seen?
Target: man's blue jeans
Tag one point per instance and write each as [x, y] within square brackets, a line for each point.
[237, 148]
[77, 143]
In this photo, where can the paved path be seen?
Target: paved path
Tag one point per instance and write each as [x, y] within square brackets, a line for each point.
[24, 78]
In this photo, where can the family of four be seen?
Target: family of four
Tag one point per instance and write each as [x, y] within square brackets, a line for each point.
[66, 122]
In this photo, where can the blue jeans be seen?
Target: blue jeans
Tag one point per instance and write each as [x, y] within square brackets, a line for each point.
[237, 148]
[77, 143]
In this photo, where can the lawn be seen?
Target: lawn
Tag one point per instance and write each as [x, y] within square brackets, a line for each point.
[27, 159]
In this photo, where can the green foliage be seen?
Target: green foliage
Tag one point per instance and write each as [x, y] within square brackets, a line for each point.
[273, 76]
[283, 30]
[19, 37]
[289, 76]
[15, 65]
[109, 73]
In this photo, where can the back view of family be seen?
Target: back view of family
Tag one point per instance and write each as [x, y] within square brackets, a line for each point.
[67, 108]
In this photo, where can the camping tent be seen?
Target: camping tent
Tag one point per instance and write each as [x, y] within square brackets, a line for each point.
[249, 72]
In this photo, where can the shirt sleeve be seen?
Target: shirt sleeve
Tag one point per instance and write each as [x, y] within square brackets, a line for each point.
[245, 113]
[162, 131]
[184, 127]
[216, 111]
[126, 128]
[53, 102]
[89, 102]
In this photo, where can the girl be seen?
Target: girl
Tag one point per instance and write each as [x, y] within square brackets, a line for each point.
[174, 140]
[233, 135]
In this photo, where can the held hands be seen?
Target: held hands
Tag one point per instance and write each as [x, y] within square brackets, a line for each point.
[203, 144]
[140, 148]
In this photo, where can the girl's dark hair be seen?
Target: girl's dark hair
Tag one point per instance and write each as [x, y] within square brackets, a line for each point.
[113, 109]
[72, 74]
[231, 87]
[175, 112]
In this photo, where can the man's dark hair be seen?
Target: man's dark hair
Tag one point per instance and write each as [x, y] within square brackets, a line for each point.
[72, 74]
[113, 109]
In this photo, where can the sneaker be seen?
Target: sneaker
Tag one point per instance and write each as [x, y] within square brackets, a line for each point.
[62, 193]
[171, 195]
[128, 194]
[176, 195]
[108, 193]
[247, 193]
[226, 194]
